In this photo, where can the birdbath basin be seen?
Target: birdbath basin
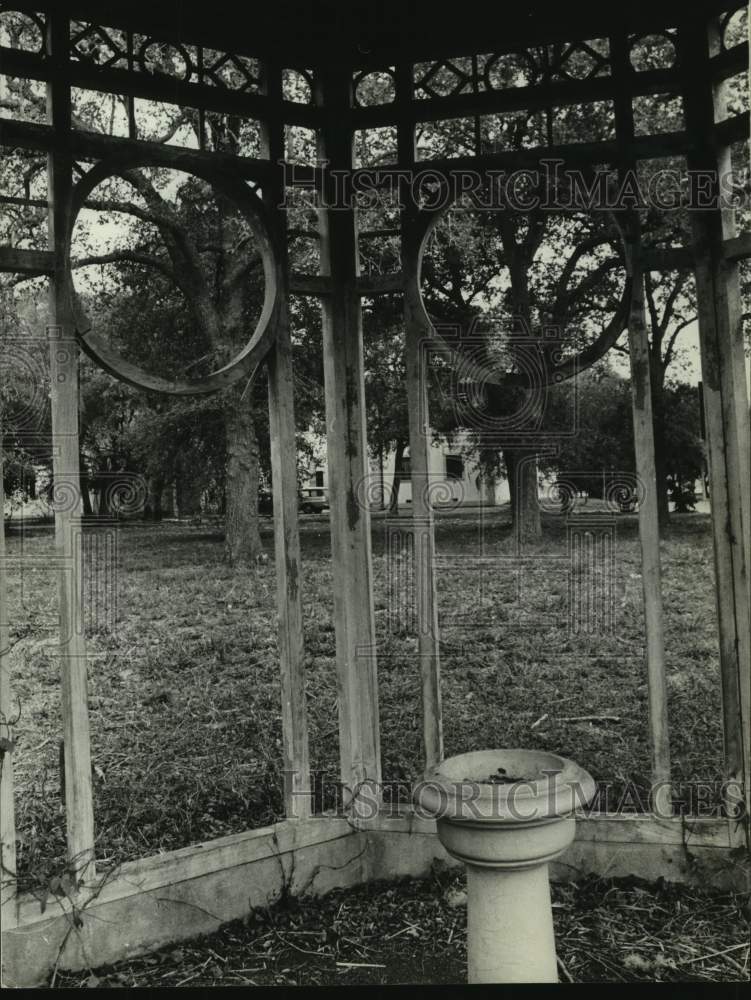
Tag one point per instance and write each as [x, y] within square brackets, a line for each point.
[506, 814]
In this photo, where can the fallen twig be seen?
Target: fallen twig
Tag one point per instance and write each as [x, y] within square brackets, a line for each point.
[360, 965]
[564, 970]
[712, 954]
[589, 718]
[194, 973]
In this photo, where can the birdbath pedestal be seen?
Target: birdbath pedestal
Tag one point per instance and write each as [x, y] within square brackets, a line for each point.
[506, 814]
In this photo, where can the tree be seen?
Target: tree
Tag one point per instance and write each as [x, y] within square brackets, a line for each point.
[528, 241]
[183, 252]
[684, 448]
[385, 391]
[507, 281]
[671, 309]
[604, 439]
[188, 265]
[24, 389]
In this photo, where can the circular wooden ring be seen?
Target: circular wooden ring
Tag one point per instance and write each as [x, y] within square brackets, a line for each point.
[418, 236]
[254, 351]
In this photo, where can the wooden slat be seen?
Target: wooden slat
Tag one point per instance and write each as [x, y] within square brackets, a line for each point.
[181, 894]
[155, 901]
[733, 129]
[380, 284]
[698, 852]
[531, 98]
[726, 412]
[93, 145]
[644, 451]
[367, 284]
[7, 801]
[737, 247]
[731, 246]
[644, 147]
[359, 737]
[170, 90]
[297, 790]
[610, 828]
[424, 580]
[649, 539]
[309, 284]
[79, 814]
[729, 62]
[26, 261]
[735, 375]
[335, 32]
[29, 135]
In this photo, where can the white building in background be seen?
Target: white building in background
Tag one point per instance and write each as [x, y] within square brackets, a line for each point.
[453, 475]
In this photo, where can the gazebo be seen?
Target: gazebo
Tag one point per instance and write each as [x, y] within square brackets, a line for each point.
[440, 68]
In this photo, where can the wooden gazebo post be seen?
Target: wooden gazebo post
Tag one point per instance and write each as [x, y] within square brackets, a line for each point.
[79, 812]
[352, 573]
[426, 601]
[644, 452]
[7, 801]
[725, 402]
[284, 479]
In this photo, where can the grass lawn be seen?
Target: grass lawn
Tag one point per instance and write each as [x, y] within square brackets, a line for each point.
[184, 688]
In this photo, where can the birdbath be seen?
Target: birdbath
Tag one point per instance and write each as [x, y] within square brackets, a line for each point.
[506, 814]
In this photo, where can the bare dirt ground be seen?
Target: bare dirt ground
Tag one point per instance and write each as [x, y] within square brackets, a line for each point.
[415, 932]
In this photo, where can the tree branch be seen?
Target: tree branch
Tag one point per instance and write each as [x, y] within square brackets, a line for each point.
[565, 298]
[671, 342]
[130, 257]
[570, 266]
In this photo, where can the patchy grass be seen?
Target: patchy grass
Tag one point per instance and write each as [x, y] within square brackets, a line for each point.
[185, 704]
[414, 931]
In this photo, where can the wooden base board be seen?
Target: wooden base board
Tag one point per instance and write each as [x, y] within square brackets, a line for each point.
[172, 897]
[704, 853]
[156, 901]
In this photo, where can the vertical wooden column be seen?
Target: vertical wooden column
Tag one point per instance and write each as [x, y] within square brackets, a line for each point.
[359, 738]
[7, 803]
[721, 93]
[297, 789]
[725, 407]
[426, 604]
[644, 452]
[649, 538]
[65, 470]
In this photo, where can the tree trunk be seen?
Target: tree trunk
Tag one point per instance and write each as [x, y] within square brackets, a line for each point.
[398, 477]
[153, 509]
[84, 485]
[488, 491]
[174, 508]
[380, 471]
[521, 468]
[103, 498]
[188, 493]
[242, 541]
